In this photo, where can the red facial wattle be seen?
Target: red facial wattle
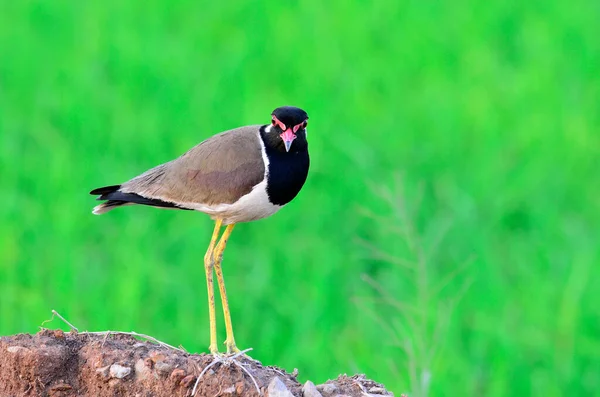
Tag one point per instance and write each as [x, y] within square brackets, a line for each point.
[278, 123]
[289, 134]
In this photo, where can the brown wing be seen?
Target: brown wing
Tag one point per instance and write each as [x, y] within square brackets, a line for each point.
[219, 170]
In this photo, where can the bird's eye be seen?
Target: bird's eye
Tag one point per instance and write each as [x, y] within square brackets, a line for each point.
[304, 124]
[273, 123]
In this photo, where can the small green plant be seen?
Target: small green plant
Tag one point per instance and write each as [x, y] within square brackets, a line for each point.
[416, 318]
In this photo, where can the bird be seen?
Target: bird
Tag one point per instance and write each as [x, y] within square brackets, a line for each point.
[240, 175]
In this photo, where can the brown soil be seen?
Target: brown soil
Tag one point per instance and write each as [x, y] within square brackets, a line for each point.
[57, 364]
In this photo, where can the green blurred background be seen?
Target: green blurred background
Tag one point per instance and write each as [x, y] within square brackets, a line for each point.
[446, 242]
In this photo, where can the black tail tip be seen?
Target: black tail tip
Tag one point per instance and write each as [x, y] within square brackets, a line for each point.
[105, 190]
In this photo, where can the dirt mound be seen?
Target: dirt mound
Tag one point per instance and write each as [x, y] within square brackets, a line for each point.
[58, 364]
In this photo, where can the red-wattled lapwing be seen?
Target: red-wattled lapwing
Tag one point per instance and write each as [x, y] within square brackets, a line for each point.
[240, 175]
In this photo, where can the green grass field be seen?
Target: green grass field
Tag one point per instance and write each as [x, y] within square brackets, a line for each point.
[446, 242]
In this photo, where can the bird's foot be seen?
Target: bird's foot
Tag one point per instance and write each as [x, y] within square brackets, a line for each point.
[231, 347]
[227, 360]
[213, 349]
[232, 350]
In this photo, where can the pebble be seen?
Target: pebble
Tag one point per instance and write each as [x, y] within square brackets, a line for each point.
[277, 389]
[327, 388]
[377, 390]
[310, 390]
[164, 367]
[119, 371]
[188, 381]
[60, 387]
[142, 370]
[178, 374]
[103, 371]
[16, 349]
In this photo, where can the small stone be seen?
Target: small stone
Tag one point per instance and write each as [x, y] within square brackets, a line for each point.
[156, 356]
[377, 390]
[310, 390]
[327, 388]
[178, 374]
[188, 381]
[163, 367]
[142, 370]
[60, 387]
[16, 349]
[59, 334]
[229, 390]
[277, 389]
[103, 372]
[119, 371]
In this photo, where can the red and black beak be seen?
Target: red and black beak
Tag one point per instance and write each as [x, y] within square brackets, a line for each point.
[288, 137]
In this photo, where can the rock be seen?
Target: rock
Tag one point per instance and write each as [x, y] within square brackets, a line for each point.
[310, 390]
[178, 374]
[149, 363]
[58, 389]
[277, 389]
[327, 388]
[163, 367]
[16, 349]
[142, 370]
[59, 334]
[378, 390]
[188, 381]
[157, 356]
[119, 371]
[103, 371]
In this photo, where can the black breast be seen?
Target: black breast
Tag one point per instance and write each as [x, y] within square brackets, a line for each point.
[287, 172]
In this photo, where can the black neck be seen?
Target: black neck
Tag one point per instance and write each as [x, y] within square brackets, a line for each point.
[287, 171]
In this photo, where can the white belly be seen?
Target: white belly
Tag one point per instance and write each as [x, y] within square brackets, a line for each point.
[254, 205]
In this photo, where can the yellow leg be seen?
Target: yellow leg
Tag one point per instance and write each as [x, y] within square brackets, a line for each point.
[218, 256]
[208, 267]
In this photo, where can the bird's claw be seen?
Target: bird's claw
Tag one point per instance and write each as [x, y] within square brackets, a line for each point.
[231, 347]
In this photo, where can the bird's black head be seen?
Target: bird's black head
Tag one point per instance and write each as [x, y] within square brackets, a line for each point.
[290, 124]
